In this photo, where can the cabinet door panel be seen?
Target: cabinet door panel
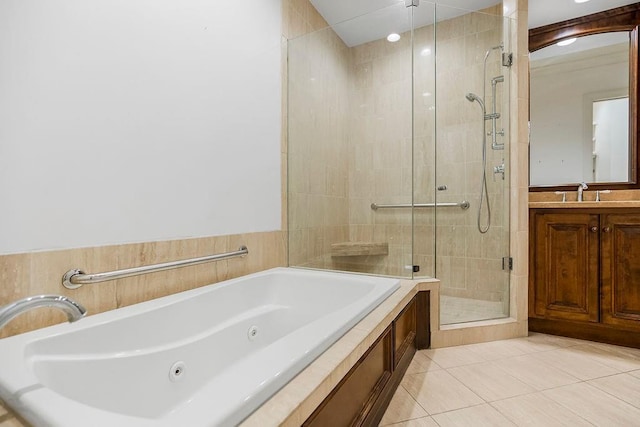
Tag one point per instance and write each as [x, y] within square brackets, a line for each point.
[351, 401]
[404, 331]
[621, 270]
[565, 266]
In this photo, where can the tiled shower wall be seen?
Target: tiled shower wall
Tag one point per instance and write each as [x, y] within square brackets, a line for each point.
[469, 263]
[380, 154]
[318, 125]
[378, 120]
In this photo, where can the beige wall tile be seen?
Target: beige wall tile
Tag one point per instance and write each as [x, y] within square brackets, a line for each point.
[41, 272]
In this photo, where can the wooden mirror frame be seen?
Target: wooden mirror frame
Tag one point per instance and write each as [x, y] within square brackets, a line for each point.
[625, 18]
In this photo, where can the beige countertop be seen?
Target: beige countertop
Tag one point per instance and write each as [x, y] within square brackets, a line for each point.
[587, 204]
[612, 199]
[293, 404]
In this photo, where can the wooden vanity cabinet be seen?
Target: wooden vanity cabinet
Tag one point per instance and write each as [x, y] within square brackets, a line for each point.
[564, 270]
[363, 395]
[620, 254]
[584, 274]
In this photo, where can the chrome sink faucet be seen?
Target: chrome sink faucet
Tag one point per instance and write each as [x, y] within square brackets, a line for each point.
[72, 309]
[581, 187]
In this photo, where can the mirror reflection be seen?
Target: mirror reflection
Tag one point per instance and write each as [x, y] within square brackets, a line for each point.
[580, 111]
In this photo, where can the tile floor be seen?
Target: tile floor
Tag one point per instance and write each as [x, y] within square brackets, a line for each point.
[541, 380]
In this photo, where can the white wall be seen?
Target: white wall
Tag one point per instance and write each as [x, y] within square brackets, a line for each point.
[137, 120]
[561, 137]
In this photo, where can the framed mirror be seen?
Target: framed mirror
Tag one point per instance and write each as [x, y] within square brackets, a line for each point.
[584, 96]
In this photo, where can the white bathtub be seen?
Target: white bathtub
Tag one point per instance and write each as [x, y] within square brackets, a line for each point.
[205, 357]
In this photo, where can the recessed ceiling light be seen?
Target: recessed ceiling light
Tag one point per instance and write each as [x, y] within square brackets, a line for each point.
[566, 42]
[580, 1]
[393, 37]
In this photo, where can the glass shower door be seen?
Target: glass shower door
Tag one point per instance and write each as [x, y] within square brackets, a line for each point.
[472, 148]
[350, 145]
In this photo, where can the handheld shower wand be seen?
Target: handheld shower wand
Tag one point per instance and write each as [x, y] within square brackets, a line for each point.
[484, 191]
[473, 97]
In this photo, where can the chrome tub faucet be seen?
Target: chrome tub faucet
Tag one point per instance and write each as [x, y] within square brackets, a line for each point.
[72, 309]
[581, 187]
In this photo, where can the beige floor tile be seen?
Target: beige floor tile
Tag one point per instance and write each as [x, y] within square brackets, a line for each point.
[633, 353]
[476, 416]
[623, 386]
[402, 408]
[635, 373]
[534, 410]
[490, 382]
[595, 405]
[555, 340]
[577, 364]
[535, 372]
[422, 363]
[620, 358]
[450, 357]
[420, 422]
[438, 391]
[496, 350]
[535, 343]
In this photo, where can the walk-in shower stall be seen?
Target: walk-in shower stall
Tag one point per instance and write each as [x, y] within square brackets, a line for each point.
[398, 149]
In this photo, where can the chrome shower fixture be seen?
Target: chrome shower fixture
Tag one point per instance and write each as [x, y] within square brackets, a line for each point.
[473, 97]
[507, 59]
[495, 145]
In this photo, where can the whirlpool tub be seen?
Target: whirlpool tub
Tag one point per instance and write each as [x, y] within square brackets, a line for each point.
[205, 357]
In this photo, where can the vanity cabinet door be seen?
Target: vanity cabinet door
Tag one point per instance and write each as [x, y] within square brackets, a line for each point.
[621, 270]
[564, 266]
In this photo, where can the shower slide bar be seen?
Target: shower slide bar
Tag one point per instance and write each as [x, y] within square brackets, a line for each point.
[463, 205]
[73, 279]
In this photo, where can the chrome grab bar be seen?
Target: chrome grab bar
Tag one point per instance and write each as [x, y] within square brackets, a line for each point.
[73, 279]
[463, 205]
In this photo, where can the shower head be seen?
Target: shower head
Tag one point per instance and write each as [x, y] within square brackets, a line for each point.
[473, 97]
[497, 79]
[500, 46]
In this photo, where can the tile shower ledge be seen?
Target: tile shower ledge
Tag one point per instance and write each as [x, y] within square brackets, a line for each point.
[588, 204]
[293, 404]
[348, 249]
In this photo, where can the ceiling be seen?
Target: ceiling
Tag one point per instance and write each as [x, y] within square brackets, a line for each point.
[361, 21]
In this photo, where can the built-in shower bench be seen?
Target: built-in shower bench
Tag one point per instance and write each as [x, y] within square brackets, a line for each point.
[349, 249]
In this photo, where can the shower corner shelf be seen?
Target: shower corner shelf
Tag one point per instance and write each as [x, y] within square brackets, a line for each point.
[359, 249]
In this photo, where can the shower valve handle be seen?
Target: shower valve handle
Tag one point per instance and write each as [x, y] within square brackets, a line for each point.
[498, 169]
